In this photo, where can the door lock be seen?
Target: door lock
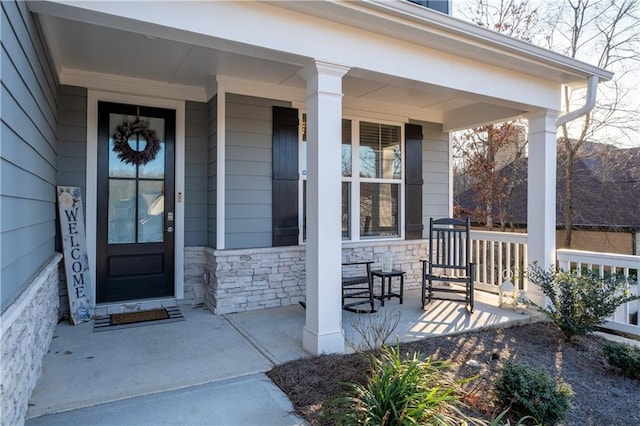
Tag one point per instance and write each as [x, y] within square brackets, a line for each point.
[170, 229]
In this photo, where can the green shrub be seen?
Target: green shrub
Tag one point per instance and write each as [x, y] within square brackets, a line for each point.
[625, 357]
[531, 391]
[400, 391]
[579, 301]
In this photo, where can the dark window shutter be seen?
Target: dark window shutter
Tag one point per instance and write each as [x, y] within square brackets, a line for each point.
[285, 176]
[413, 181]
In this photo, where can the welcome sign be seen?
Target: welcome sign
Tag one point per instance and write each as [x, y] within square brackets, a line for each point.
[76, 260]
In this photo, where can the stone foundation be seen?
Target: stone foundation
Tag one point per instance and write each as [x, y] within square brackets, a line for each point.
[252, 279]
[27, 329]
[406, 257]
[197, 272]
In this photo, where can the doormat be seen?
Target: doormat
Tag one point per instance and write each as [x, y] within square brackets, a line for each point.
[138, 318]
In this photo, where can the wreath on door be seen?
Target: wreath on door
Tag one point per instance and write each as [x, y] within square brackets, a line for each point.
[125, 152]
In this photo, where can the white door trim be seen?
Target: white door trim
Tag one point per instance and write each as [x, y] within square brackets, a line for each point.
[93, 97]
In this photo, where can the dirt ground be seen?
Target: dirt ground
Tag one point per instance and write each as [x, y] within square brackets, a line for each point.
[602, 396]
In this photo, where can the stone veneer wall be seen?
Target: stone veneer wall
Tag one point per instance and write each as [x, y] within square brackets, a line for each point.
[406, 256]
[252, 279]
[197, 265]
[27, 329]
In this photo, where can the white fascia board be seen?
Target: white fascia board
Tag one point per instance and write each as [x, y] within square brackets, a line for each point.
[405, 13]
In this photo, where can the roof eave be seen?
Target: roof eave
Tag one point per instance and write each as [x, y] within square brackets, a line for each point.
[403, 19]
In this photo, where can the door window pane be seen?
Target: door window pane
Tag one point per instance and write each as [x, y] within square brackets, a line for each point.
[150, 211]
[154, 168]
[117, 168]
[379, 209]
[136, 204]
[380, 155]
[122, 211]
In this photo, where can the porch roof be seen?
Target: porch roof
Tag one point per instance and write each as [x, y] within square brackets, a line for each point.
[404, 58]
[408, 21]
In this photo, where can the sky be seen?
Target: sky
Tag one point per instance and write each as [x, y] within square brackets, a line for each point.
[589, 54]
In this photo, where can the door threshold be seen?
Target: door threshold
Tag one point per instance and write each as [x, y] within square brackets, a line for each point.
[109, 308]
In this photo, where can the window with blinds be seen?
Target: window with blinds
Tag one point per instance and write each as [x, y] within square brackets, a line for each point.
[380, 179]
[372, 187]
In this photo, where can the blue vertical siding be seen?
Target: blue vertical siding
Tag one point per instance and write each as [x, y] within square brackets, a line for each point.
[28, 151]
[72, 139]
[196, 144]
[212, 164]
[435, 173]
[248, 177]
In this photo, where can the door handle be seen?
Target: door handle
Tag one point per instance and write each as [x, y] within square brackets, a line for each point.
[170, 229]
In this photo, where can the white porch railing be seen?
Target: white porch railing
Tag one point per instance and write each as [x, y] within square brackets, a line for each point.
[495, 252]
[625, 318]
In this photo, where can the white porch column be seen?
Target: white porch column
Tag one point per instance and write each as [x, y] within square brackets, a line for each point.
[541, 204]
[221, 161]
[322, 332]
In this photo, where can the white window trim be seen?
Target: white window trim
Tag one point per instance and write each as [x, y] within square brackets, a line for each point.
[355, 180]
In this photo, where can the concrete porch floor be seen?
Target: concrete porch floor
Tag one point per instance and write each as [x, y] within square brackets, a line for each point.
[208, 367]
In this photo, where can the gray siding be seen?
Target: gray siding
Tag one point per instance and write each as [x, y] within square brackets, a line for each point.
[212, 165]
[72, 134]
[195, 224]
[27, 153]
[248, 174]
[435, 173]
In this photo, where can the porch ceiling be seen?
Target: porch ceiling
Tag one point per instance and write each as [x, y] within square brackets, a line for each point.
[93, 48]
[79, 47]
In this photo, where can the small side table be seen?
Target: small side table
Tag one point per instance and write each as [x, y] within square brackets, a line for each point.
[388, 276]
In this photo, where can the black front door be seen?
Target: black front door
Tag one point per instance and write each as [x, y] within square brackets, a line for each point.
[135, 235]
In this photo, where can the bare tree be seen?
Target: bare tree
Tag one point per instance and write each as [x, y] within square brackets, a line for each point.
[482, 152]
[514, 18]
[601, 32]
[604, 33]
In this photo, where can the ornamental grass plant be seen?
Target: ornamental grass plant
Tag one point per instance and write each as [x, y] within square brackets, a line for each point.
[402, 391]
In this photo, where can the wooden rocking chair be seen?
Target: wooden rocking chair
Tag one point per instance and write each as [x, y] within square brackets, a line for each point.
[357, 287]
[449, 263]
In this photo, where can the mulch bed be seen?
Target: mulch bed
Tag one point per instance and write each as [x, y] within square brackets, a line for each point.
[602, 396]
